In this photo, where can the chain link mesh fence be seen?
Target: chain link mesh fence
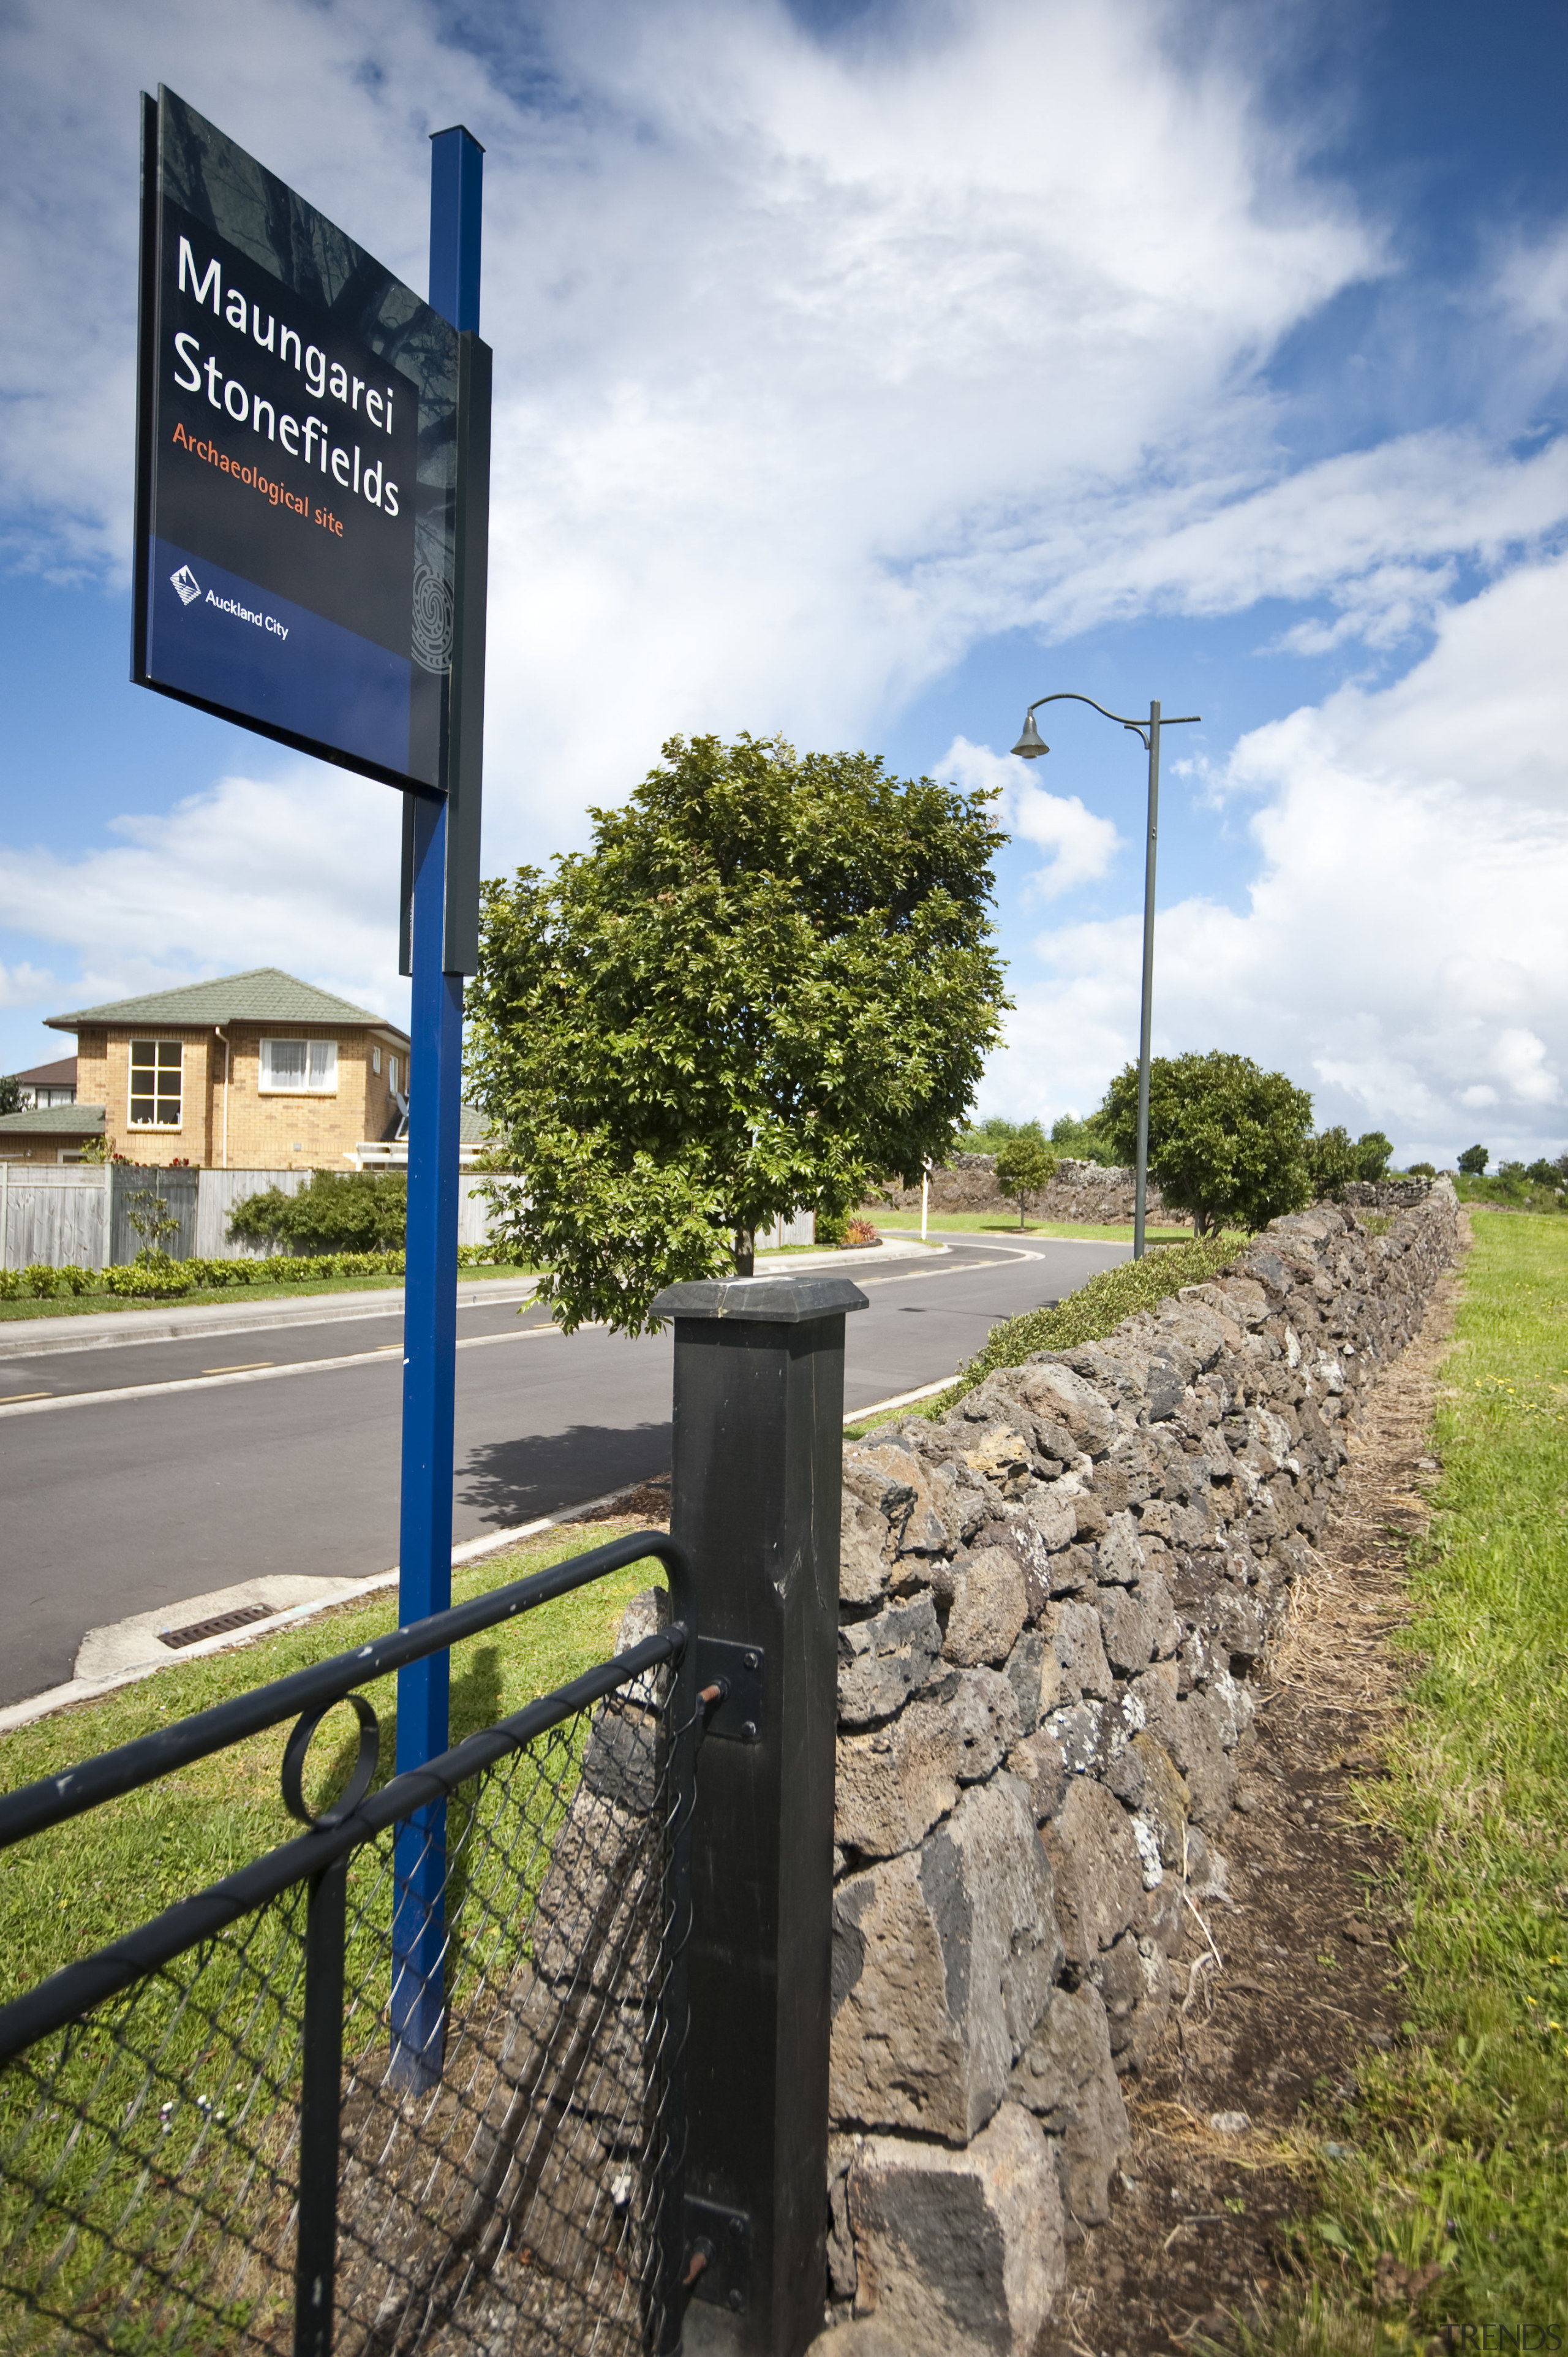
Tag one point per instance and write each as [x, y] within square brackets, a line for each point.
[516, 2197]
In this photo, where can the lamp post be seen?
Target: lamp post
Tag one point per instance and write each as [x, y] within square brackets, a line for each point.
[1029, 747]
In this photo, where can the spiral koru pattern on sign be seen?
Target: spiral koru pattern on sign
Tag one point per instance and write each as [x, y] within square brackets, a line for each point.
[432, 619]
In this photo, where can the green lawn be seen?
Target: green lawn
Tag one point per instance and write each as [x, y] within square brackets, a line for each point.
[67, 1892]
[1460, 2137]
[84, 1305]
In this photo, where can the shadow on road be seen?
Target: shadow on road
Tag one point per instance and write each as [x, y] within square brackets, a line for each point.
[507, 1482]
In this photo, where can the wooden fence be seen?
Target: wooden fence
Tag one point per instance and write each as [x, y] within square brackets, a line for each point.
[77, 1214]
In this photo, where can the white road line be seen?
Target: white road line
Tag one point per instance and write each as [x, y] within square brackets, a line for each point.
[44, 1403]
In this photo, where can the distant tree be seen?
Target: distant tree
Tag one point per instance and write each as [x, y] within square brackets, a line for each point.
[1081, 1141]
[1228, 1142]
[990, 1135]
[339, 1211]
[771, 979]
[1543, 1173]
[1513, 1175]
[1374, 1152]
[1330, 1161]
[1474, 1160]
[1023, 1169]
[10, 1093]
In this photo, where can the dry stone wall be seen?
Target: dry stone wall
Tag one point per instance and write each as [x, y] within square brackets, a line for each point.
[1078, 1190]
[1054, 1605]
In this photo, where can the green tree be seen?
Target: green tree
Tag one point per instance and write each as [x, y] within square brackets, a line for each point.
[10, 1093]
[990, 1135]
[1330, 1161]
[1228, 1142]
[1474, 1160]
[1422, 1170]
[1374, 1152]
[1023, 1169]
[338, 1210]
[1081, 1141]
[772, 978]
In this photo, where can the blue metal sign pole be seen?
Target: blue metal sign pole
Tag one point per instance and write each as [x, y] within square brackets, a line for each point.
[430, 1300]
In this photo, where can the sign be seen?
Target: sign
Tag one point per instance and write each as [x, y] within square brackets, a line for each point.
[297, 466]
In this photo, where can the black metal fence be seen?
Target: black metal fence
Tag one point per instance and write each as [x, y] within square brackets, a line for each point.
[210, 2136]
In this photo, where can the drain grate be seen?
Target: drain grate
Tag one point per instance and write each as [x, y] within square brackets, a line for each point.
[219, 1623]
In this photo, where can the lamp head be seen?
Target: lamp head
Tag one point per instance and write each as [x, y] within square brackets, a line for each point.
[1031, 743]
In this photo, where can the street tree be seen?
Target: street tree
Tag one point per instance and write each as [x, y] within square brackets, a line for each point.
[772, 978]
[1228, 1142]
[1024, 1168]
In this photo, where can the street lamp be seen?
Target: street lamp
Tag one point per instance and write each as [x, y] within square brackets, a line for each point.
[1029, 747]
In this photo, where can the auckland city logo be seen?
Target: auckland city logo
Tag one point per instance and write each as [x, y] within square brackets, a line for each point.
[185, 585]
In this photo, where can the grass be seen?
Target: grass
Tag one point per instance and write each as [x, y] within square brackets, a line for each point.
[94, 1301]
[1090, 1313]
[66, 1893]
[1498, 1194]
[1460, 2137]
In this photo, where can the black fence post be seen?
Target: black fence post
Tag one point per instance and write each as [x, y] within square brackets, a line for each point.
[315, 2242]
[758, 1439]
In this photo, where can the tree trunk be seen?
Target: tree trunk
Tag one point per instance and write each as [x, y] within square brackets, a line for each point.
[745, 1250]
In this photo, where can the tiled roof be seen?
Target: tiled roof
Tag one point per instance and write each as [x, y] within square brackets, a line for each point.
[473, 1127]
[266, 995]
[64, 1121]
[49, 1076]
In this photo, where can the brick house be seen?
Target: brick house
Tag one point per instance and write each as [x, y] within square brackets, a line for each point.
[256, 1072]
[49, 1084]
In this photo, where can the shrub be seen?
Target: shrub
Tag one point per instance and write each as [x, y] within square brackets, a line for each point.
[39, 1280]
[1330, 1161]
[859, 1232]
[339, 1211]
[1098, 1308]
[1422, 1170]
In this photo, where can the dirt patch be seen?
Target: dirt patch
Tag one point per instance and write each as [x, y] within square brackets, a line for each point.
[1297, 1974]
[648, 1503]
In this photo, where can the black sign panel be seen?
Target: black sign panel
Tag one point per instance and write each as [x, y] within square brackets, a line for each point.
[296, 465]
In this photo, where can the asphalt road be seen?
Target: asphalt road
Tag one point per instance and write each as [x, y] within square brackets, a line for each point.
[176, 1466]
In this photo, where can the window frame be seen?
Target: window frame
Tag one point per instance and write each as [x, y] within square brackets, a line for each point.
[157, 1093]
[269, 1088]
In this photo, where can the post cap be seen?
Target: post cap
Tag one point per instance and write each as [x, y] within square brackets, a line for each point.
[761, 1300]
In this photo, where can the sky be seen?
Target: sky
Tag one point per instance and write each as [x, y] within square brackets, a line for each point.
[864, 372]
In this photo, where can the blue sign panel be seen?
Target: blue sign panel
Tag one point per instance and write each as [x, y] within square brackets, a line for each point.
[297, 466]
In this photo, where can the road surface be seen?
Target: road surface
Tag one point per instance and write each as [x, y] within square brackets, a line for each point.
[169, 1468]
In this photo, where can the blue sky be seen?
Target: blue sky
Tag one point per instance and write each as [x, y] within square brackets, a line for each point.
[866, 372]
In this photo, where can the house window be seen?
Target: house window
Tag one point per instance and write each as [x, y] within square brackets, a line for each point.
[375, 1059]
[391, 1075]
[155, 1084]
[300, 1066]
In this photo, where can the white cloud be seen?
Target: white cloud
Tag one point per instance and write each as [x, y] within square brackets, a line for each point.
[790, 335]
[299, 871]
[24, 985]
[1403, 953]
[1081, 845]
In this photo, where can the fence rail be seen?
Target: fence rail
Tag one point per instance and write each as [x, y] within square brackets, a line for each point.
[210, 2136]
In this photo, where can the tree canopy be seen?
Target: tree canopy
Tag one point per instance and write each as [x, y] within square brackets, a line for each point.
[1228, 1142]
[772, 978]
